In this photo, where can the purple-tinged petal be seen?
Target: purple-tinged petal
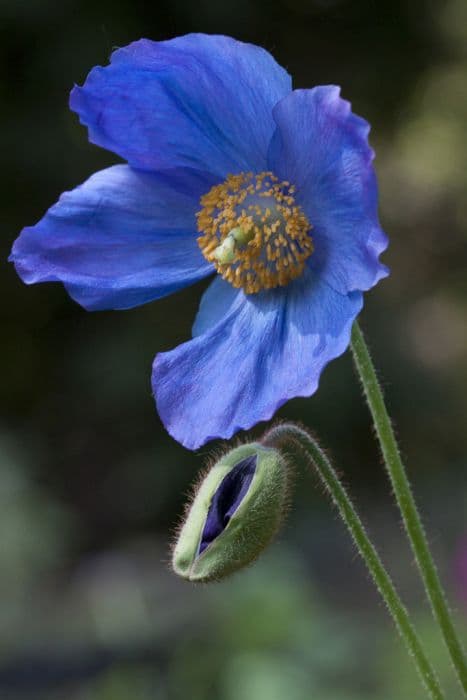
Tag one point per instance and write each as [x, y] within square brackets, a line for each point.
[322, 148]
[266, 349]
[196, 101]
[231, 492]
[121, 239]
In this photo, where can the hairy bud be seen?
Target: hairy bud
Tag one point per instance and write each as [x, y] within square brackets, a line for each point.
[235, 513]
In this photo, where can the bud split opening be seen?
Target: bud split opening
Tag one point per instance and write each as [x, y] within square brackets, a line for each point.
[235, 513]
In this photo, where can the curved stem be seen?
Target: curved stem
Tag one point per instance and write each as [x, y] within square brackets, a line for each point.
[406, 503]
[280, 438]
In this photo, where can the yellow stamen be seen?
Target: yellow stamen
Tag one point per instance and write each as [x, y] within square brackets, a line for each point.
[253, 232]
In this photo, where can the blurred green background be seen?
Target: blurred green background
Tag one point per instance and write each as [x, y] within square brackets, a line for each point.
[91, 486]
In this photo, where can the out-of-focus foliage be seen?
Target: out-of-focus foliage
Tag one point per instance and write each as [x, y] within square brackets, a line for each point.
[90, 484]
[117, 624]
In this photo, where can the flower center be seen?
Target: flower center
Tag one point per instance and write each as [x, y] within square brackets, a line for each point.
[253, 232]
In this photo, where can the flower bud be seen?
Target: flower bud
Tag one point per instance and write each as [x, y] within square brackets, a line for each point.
[235, 513]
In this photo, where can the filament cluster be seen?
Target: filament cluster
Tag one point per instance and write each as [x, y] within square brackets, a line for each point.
[253, 232]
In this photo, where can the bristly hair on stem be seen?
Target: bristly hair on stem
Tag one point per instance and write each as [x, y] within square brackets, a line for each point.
[405, 500]
[285, 435]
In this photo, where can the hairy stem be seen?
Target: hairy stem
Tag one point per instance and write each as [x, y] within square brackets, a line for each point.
[281, 437]
[406, 503]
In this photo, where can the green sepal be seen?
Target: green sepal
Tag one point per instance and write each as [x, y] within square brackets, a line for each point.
[250, 528]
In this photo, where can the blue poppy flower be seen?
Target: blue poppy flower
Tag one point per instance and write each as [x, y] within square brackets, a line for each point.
[229, 172]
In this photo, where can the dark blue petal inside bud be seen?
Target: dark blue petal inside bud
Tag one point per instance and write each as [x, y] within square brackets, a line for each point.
[227, 499]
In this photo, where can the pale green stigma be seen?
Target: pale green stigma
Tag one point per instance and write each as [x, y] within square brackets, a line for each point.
[225, 253]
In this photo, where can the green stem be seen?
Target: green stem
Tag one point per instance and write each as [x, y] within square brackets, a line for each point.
[280, 438]
[406, 503]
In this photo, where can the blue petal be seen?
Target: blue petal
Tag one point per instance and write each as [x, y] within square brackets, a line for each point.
[215, 304]
[266, 349]
[196, 101]
[121, 239]
[322, 148]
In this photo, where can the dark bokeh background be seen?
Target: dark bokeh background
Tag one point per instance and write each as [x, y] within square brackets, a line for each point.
[90, 483]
